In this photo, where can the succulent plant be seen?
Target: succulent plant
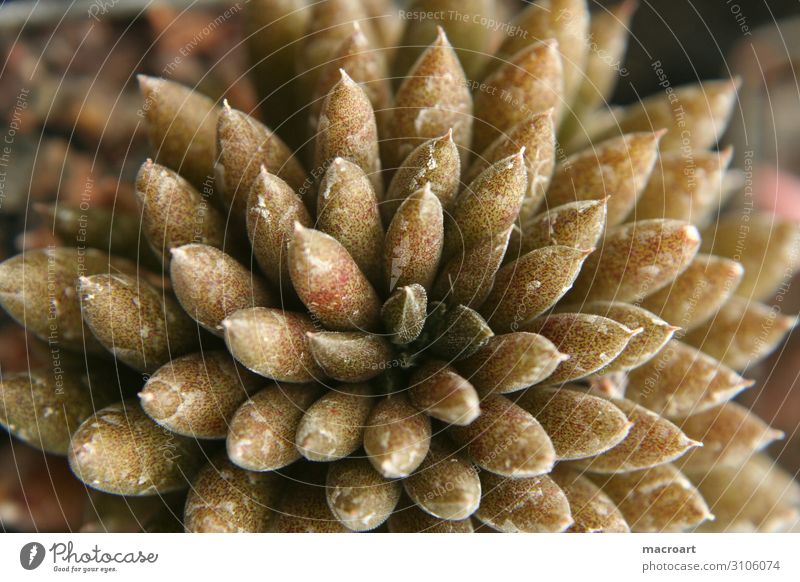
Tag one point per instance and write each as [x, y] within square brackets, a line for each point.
[436, 316]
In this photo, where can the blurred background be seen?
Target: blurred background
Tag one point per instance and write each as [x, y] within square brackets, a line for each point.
[69, 107]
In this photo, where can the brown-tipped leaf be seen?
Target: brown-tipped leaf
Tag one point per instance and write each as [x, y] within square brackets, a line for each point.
[742, 332]
[576, 224]
[347, 209]
[446, 485]
[619, 167]
[244, 145]
[330, 284]
[404, 313]
[261, 436]
[537, 136]
[506, 440]
[197, 395]
[333, 427]
[489, 205]
[461, 333]
[730, 433]
[657, 500]
[182, 126]
[141, 325]
[651, 441]
[636, 260]
[227, 499]
[272, 211]
[681, 381]
[414, 239]
[435, 161]
[528, 83]
[120, 450]
[591, 342]
[359, 496]
[432, 100]
[350, 356]
[510, 362]
[579, 425]
[397, 437]
[592, 510]
[174, 213]
[272, 343]
[528, 505]
[441, 392]
[347, 129]
[529, 286]
[643, 346]
[35, 282]
[210, 285]
[698, 292]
